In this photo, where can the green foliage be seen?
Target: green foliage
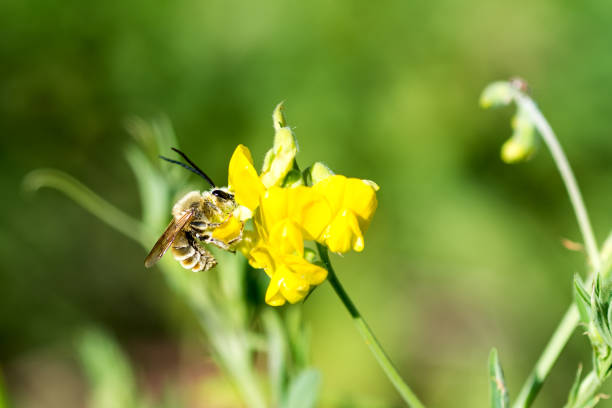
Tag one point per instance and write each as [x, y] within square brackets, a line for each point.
[497, 384]
[304, 390]
[108, 370]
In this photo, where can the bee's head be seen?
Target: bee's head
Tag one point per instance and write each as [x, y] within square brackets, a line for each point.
[223, 199]
[222, 194]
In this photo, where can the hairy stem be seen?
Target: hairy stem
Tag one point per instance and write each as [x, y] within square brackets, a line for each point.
[571, 319]
[368, 336]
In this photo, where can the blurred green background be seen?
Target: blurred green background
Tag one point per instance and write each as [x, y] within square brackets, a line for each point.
[463, 254]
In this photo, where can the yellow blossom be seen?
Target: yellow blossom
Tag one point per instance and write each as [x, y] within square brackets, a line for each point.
[243, 178]
[282, 209]
[284, 218]
[353, 203]
[291, 276]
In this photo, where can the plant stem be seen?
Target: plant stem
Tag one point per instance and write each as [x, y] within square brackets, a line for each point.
[544, 128]
[571, 319]
[548, 357]
[368, 336]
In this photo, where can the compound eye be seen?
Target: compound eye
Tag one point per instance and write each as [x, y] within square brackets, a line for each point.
[223, 195]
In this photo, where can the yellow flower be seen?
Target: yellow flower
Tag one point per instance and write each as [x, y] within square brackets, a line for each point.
[291, 276]
[284, 218]
[289, 212]
[336, 212]
[353, 203]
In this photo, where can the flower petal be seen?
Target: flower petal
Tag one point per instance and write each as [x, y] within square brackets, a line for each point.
[310, 210]
[314, 274]
[344, 234]
[286, 237]
[360, 197]
[332, 188]
[243, 179]
[273, 294]
[293, 287]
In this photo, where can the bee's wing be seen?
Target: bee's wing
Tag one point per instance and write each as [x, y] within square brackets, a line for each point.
[164, 242]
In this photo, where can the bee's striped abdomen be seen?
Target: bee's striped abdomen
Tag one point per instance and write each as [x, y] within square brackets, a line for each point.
[191, 254]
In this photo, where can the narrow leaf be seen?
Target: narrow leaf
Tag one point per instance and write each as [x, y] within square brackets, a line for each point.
[573, 394]
[304, 390]
[498, 390]
[109, 373]
[87, 199]
[277, 354]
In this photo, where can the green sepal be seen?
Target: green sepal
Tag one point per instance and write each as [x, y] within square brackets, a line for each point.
[582, 300]
[600, 312]
[315, 173]
[293, 179]
[497, 385]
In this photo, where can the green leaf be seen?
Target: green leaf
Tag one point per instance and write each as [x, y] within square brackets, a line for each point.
[582, 299]
[277, 354]
[304, 390]
[154, 194]
[109, 373]
[600, 320]
[573, 394]
[498, 390]
[87, 199]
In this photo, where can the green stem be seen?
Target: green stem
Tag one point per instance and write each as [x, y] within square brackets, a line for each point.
[545, 130]
[571, 319]
[548, 357]
[366, 333]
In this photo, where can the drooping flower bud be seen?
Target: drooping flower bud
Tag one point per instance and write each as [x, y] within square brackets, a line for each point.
[522, 144]
[498, 93]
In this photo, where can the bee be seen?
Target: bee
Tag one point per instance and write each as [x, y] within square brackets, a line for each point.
[195, 218]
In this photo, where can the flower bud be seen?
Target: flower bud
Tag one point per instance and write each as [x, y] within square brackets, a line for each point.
[278, 119]
[498, 93]
[521, 145]
[317, 172]
[280, 158]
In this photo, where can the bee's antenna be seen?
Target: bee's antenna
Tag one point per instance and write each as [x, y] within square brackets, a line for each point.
[194, 169]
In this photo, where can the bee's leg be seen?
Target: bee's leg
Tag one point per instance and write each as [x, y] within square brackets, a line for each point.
[216, 242]
[226, 246]
[202, 259]
[238, 238]
[202, 226]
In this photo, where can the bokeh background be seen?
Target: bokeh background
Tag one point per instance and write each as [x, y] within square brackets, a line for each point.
[464, 252]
